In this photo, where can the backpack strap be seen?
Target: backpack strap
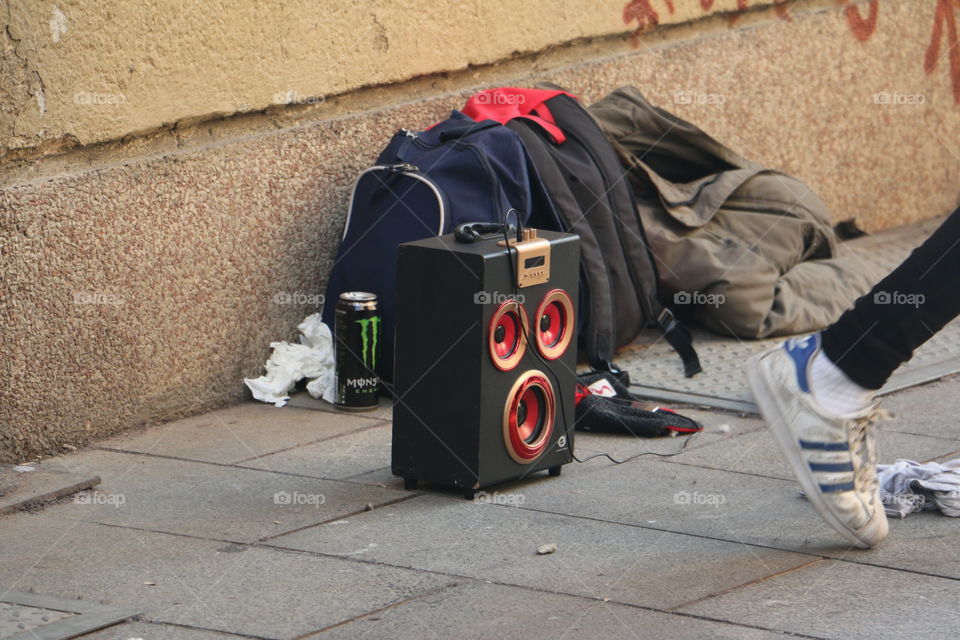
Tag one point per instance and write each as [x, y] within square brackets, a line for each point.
[678, 336]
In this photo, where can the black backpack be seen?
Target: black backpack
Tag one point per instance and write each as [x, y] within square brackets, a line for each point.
[594, 199]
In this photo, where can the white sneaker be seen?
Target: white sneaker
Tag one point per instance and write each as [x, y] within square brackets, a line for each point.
[833, 456]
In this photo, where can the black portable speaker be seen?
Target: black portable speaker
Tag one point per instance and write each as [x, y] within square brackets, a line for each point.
[485, 358]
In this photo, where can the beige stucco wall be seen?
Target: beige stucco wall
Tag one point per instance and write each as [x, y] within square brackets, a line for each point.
[139, 273]
[84, 72]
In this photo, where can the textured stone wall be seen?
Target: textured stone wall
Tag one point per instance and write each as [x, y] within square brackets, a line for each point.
[81, 72]
[140, 281]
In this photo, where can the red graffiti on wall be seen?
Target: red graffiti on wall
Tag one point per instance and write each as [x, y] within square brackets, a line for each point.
[862, 28]
[945, 17]
[646, 16]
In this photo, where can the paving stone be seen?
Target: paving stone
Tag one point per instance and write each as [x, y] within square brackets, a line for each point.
[234, 588]
[340, 457]
[478, 610]
[844, 600]
[210, 500]
[923, 542]
[8, 478]
[706, 502]
[930, 409]
[17, 619]
[718, 427]
[147, 631]
[741, 508]
[499, 542]
[45, 483]
[758, 453]
[237, 433]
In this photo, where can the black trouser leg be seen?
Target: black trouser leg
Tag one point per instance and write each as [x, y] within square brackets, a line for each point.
[901, 312]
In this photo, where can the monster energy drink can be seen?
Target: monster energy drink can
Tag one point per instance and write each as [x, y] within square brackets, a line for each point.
[358, 350]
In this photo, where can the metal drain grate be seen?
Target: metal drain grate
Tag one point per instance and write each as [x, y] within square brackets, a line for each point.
[30, 616]
[656, 372]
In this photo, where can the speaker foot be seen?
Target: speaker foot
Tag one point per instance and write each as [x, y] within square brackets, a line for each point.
[410, 484]
[469, 494]
[555, 471]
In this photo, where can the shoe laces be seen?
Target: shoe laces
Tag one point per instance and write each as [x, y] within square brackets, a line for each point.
[863, 445]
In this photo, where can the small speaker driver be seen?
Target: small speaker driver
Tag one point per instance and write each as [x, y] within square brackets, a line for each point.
[505, 337]
[554, 324]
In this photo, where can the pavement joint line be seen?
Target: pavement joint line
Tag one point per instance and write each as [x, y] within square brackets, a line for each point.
[952, 453]
[372, 507]
[363, 473]
[260, 542]
[749, 583]
[366, 415]
[256, 542]
[232, 465]
[226, 634]
[921, 435]
[768, 477]
[378, 423]
[51, 496]
[392, 605]
[332, 410]
[739, 473]
[471, 579]
[463, 578]
[268, 544]
[747, 544]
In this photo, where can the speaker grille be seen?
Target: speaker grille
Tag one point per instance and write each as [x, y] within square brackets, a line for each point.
[505, 337]
[554, 324]
[529, 416]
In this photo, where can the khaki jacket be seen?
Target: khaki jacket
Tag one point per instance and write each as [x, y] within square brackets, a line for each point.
[751, 249]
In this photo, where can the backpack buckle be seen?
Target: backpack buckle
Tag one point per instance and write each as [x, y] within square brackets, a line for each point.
[667, 321]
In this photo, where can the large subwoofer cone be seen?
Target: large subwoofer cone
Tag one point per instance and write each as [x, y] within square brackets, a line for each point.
[528, 416]
[554, 324]
[506, 335]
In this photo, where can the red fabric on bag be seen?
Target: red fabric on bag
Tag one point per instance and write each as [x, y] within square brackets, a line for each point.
[506, 103]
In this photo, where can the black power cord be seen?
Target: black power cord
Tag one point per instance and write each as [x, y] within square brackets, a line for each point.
[550, 371]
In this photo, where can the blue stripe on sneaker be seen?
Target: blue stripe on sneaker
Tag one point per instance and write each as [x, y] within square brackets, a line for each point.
[831, 467]
[832, 488]
[824, 446]
[800, 351]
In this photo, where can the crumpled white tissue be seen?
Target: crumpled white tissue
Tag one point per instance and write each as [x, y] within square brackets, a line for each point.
[290, 363]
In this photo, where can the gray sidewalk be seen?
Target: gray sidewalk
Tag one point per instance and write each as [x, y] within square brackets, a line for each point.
[259, 522]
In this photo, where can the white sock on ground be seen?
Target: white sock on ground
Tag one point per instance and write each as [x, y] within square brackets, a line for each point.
[834, 390]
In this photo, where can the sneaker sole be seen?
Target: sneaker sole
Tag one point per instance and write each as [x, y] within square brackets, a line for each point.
[770, 410]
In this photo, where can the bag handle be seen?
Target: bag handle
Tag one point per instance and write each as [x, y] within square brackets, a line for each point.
[465, 129]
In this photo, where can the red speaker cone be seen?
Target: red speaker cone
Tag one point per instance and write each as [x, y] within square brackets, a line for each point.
[528, 416]
[506, 335]
[554, 324]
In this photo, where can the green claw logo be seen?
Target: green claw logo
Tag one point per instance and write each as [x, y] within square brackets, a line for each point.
[370, 334]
